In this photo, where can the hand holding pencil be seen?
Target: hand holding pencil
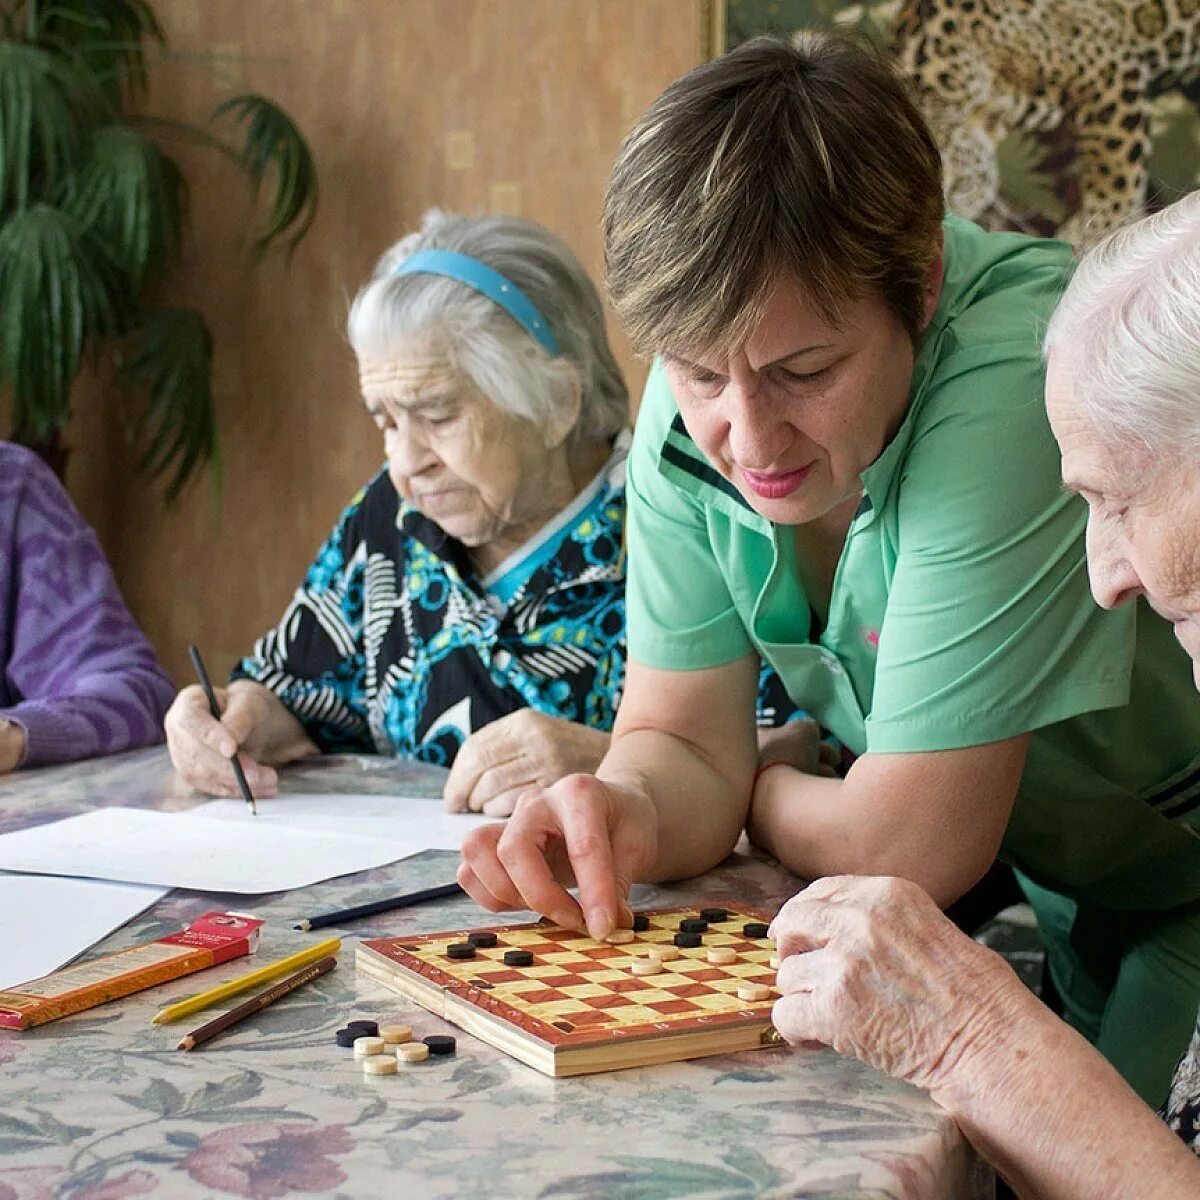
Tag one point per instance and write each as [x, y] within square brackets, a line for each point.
[208, 733]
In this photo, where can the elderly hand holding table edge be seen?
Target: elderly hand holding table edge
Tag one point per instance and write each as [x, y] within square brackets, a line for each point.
[102, 1099]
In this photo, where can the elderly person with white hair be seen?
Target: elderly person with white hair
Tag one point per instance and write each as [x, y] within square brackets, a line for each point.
[468, 609]
[870, 966]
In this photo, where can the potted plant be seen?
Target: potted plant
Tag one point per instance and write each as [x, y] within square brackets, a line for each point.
[91, 216]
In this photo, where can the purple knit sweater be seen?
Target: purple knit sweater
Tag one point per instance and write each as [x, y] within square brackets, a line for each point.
[75, 670]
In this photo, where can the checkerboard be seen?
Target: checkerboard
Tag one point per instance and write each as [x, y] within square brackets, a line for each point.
[579, 1002]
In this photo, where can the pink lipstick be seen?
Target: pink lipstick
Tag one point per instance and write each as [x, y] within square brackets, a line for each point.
[775, 487]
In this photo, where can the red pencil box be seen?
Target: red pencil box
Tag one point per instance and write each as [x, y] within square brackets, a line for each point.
[213, 938]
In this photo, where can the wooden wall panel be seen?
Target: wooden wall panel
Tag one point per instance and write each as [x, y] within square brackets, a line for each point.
[472, 105]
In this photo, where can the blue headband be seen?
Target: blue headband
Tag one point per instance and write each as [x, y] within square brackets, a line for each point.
[491, 283]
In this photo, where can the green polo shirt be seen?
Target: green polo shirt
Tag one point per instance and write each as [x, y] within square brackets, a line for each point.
[960, 611]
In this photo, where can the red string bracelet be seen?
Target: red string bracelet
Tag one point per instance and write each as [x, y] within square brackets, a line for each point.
[775, 762]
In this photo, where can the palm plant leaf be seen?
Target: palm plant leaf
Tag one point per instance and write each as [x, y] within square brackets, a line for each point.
[91, 212]
[274, 144]
[106, 38]
[132, 196]
[169, 354]
[44, 105]
[59, 288]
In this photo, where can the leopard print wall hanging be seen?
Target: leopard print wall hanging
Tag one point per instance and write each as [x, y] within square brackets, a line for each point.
[1083, 70]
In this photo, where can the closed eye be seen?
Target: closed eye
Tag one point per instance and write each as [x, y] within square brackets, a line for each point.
[800, 376]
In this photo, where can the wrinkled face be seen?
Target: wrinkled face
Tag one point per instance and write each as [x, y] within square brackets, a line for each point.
[477, 471]
[1143, 531]
[792, 418]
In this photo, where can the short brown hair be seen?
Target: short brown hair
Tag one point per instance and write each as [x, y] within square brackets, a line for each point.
[808, 158]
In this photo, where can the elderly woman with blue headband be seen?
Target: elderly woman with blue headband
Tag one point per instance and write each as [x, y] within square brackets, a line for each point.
[468, 609]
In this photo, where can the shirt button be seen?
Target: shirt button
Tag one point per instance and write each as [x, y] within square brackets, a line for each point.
[501, 660]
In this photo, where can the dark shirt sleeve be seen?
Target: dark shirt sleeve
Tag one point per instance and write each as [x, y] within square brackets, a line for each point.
[80, 677]
[313, 660]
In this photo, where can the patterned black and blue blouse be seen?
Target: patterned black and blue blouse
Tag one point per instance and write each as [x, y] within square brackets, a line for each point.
[1182, 1108]
[393, 644]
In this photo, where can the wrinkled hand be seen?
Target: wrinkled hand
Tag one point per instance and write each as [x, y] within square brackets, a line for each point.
[580, 831]
[12, 745]
[522, 750]
[798, 743]
[201, 746]
[871, 967]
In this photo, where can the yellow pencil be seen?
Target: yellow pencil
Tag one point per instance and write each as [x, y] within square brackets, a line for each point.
[215, 995]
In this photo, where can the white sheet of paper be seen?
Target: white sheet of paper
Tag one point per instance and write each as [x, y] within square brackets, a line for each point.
[413, 820]
[190, 850]
[45, 920]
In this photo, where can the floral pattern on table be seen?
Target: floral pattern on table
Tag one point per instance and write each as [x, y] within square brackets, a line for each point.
[101, 1106]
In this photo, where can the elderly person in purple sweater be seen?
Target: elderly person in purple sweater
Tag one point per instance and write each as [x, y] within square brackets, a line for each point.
[77, 676]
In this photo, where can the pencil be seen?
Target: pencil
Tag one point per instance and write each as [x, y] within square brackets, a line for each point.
[271, 970]
[256, 1003]
[239, 774]
[378, 906]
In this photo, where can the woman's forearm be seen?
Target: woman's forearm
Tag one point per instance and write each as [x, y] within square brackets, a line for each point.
[104, 708]
[817, 826]
[1057, 1120]
[701, 808]
[795, 817]
[935, 818]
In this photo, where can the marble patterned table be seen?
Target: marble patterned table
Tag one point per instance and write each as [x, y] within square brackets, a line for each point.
[100, 1106]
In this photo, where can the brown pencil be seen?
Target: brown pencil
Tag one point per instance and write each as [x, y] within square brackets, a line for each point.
[256, 1003]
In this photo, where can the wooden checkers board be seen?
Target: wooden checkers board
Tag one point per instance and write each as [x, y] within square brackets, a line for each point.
[578, 1008]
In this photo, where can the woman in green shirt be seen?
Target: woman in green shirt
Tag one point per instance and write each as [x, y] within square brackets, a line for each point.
[842, 463]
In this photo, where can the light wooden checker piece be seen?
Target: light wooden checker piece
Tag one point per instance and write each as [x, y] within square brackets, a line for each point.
[579, 1009]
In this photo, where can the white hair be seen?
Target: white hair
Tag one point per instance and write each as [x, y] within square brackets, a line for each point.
[504, 361]
[1127, 331]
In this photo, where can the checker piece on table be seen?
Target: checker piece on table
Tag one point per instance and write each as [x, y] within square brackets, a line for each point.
[566, 1004]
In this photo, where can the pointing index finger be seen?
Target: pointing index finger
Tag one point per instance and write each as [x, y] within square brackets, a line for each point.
[521, 851]
[589, 848]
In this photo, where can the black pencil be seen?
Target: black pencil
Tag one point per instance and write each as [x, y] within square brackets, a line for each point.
[239, 774]
[378, 906]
